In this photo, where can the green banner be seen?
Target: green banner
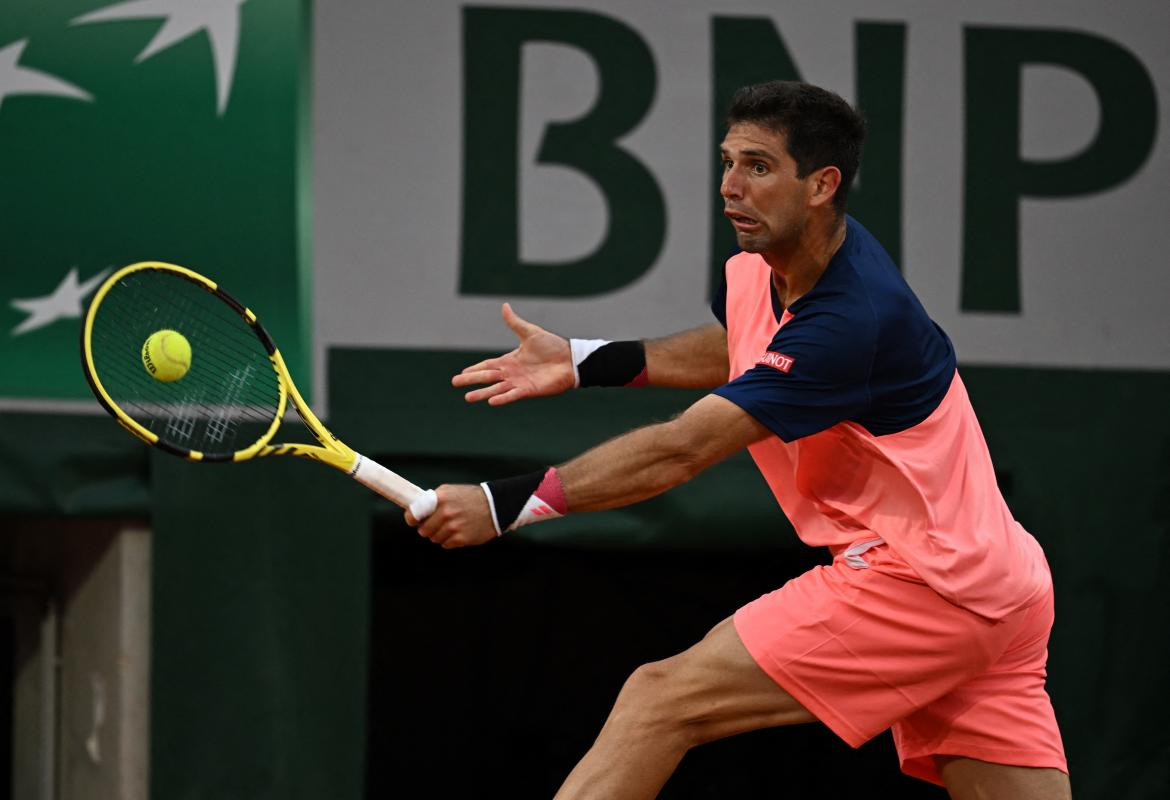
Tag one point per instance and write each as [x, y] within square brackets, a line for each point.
[148, 130]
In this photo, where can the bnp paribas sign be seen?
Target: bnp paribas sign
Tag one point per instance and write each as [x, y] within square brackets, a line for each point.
[564, 155]
[144, 130]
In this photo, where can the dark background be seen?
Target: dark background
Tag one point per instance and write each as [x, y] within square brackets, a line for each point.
[492, 670]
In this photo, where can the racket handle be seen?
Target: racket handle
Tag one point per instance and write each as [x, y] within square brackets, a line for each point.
[424, 505]
[393, 487]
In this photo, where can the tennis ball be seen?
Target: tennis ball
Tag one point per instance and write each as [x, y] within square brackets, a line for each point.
[166, 354]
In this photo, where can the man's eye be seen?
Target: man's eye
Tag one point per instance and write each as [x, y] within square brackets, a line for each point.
[759, 168]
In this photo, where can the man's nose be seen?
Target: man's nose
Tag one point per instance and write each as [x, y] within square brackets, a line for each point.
[730, 187]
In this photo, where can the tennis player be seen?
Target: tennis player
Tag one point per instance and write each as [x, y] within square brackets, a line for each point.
[933, 617]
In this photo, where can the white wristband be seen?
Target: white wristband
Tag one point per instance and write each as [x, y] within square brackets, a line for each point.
[581, 349]
[491, 507]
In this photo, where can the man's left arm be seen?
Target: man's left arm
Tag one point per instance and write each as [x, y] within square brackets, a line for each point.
[625, 470]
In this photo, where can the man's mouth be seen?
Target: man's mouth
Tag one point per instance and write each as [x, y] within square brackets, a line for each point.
[741, 221]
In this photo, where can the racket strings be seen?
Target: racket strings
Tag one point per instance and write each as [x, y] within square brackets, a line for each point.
[190, 413]
[213, 351]
[216, 349]
[230, 385]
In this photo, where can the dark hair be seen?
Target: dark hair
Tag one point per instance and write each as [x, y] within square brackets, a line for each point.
[819, 127]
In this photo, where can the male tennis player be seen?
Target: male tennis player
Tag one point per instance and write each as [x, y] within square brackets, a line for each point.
[933, 617]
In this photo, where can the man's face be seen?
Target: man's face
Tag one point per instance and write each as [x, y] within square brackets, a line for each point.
[765, 201]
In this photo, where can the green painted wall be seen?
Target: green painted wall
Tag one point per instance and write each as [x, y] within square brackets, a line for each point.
[108, 157]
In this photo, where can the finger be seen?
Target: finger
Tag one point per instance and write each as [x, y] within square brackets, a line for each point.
[461, 539]
[487, 363]
[467, 378]
[488, 392]
[410, 520]
[508, 394]
[429, 526]
[522, 328]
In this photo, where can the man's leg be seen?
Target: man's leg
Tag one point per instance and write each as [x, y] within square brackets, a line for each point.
[714, 689]
[971, 779]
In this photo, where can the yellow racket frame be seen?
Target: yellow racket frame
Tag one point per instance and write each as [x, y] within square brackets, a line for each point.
[333, 452]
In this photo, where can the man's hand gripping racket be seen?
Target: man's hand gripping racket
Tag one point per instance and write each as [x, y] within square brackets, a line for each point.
[232, 388]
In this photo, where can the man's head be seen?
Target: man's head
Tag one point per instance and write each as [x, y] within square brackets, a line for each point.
[790, 153]
[819, 128]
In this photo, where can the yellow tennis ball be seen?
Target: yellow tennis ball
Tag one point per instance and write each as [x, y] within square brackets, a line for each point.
[166, 354]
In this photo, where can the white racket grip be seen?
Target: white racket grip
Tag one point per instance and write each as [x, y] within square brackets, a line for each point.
[393, 487]
[424, 505]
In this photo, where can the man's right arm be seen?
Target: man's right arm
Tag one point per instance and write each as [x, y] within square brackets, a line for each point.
[546, 364]
[693, 359]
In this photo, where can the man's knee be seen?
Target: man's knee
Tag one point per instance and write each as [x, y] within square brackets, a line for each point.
[649, 687]
[653, 699]
[670, 698]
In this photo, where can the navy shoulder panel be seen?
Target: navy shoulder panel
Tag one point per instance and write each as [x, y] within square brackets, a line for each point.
[914, 362]
[859, 347]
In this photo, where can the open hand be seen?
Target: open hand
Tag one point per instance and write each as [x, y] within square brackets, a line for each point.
[541, 365]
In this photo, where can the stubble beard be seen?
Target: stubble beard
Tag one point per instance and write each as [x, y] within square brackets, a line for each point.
[770, 239]
[752, 242]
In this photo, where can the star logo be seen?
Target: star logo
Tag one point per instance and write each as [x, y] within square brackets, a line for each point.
[15, 79]
[63, 303]
[220, 18]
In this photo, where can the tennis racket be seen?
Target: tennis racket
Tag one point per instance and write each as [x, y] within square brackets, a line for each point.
[233, 395]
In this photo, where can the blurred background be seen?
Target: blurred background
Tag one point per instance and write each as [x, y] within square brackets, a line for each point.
[373, 178]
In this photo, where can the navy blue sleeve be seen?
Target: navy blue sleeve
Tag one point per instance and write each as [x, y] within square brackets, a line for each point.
[815, 374]
[719, 301]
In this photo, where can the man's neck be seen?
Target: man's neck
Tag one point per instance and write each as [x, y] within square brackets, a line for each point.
[797, 271]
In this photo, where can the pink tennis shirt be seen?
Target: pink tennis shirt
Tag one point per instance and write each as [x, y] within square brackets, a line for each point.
[875, 436]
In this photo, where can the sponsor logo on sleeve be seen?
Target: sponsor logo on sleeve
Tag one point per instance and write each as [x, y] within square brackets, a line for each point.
[776, 361]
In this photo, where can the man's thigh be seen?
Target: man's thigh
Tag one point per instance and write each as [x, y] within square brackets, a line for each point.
[863, 647]
[717, 690]
[972, 779]
[1001, 716]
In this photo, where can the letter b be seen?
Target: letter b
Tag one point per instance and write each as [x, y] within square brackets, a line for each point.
[490, 259]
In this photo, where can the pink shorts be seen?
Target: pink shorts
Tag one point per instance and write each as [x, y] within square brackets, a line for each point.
[865, 649]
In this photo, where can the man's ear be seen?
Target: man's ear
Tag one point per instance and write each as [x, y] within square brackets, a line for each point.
[826, 181]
